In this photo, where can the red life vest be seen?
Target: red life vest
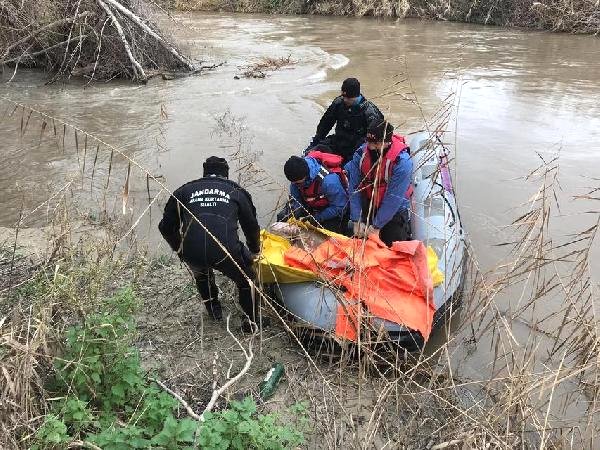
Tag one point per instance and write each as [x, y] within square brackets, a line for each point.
[330, 163]
[379, 176]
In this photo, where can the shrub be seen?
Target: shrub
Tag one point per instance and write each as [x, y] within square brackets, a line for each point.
[104, 398]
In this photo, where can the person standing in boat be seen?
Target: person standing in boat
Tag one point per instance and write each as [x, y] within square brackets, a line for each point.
[219, 204]
[318, 191]
[351, 113]
[380, 184]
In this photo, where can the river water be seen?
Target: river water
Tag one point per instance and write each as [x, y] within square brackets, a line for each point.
[518, 97]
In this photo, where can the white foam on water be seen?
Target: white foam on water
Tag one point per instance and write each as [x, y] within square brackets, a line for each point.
[317, 76]
[337, 61]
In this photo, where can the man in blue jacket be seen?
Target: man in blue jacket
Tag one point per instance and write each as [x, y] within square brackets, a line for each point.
[379, 182]
[316, 192]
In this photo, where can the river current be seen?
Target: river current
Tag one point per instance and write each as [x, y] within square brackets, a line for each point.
[511, 100]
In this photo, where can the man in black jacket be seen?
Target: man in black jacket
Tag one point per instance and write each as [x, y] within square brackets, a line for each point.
[351, 113]
[218, 204]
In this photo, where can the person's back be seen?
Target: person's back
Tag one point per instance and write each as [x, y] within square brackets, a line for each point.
[219, 204]
[200, 223]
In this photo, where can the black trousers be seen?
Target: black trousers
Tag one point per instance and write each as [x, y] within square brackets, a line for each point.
[340, 146]
[338, 224]
[397, 229]
[207, 287]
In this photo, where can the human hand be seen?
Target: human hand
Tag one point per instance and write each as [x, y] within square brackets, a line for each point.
[312, 144]
[371, 230]
[358, 229]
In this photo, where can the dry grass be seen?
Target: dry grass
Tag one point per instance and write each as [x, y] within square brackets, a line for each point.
[359, 398]
[580, 16]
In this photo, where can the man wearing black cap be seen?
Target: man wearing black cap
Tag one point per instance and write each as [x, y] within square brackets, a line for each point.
[351, 113]
[207, 238]
[380, 185]
[317, 191]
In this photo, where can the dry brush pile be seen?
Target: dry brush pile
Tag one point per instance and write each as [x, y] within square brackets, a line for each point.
[96, 39]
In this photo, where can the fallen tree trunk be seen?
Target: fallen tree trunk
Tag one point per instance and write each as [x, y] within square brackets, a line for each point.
[151, 32]
[136, 65]
[98, 39]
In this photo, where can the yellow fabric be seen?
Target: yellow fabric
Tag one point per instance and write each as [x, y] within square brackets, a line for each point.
[432, 263]
[308, 226]
[271, 267]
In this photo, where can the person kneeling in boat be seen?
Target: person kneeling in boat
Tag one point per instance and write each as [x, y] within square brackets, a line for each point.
[380, 183]
[351, 113]
[207, 239]
[318, 191]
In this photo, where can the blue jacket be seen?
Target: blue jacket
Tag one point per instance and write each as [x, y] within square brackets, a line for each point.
[394, 199]
[331, 187]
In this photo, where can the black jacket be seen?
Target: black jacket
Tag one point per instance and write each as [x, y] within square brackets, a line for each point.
[219, 204]
[351, 123]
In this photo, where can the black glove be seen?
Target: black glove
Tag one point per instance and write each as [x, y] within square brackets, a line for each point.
[313, 143]
[283, 215]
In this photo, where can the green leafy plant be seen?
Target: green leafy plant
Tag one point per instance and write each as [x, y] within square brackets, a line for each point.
[52, 434]
[76, 413]
[240, 427]
[103, 397]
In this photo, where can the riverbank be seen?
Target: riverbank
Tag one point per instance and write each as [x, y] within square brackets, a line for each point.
[580, 17]
[519, 369]
[343, 402]
[55, 292]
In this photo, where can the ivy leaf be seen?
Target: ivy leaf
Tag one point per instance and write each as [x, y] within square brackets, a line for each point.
[186, 431]
[117, 390]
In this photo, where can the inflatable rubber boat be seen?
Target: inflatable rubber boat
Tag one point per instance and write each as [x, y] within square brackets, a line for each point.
[434, 220]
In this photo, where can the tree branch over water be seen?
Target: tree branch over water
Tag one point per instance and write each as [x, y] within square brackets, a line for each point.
[98, 39]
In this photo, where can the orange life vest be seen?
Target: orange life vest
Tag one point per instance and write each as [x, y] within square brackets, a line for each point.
[372, 175]
[330, 163]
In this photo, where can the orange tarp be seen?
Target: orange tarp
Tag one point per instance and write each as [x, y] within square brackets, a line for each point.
[392, 283]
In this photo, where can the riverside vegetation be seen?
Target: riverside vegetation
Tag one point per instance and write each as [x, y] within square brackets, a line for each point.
[75, 372]
[102, 397]
[579, 16]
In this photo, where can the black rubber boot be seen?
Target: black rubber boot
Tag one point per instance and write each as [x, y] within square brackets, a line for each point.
[213, 307]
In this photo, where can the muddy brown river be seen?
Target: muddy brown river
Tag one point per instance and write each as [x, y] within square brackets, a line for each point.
[518, 97]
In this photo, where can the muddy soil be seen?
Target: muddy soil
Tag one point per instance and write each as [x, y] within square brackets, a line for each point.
[351, 404]
[191, 353]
